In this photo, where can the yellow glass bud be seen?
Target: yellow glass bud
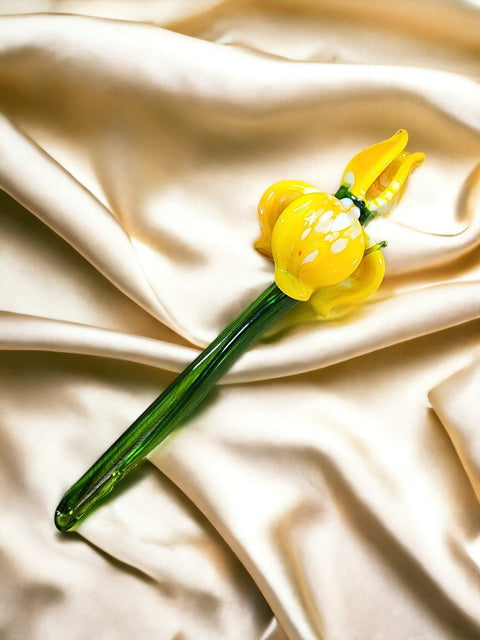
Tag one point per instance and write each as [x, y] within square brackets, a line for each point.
[316, 242]
[275, 199]
[387, 190]
[364, 281]
[377, 175]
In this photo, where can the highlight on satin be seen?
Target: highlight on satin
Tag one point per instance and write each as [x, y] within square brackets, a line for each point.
[321, 254]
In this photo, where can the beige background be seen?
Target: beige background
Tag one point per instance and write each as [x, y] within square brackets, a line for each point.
[329, 488]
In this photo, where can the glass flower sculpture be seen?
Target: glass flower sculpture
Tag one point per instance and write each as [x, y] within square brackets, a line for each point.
[321, 255]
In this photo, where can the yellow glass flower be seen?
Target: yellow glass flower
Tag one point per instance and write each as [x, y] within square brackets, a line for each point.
[318, 245]
[317, 241]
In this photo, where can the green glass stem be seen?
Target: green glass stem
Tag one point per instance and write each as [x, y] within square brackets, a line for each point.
[171, 408]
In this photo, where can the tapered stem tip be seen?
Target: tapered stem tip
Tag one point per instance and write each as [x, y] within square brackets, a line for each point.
[64, 520]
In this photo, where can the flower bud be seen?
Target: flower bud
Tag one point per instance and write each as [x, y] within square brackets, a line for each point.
[378, 174]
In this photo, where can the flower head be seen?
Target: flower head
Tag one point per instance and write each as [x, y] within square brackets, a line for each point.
[317, 241]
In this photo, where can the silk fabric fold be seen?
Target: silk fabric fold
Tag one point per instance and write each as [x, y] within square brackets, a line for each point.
[329, 488]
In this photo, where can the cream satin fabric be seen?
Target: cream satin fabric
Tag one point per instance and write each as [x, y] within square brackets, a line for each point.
[329, 489]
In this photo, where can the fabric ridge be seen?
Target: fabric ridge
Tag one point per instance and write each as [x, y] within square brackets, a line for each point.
[329, 487]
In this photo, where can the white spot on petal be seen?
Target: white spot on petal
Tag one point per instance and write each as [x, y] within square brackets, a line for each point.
[311, 218]
[326, 216]
[310, 258]
[323, 224]
[346, 203]
[339, 245]
[354, 232]
[330, 237]
[342, 221]
[349, 179]
[305, 233]
[355, 212]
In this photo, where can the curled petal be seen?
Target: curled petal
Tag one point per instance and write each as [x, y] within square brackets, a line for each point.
[275, 199]
[386, 192]
[316, 242]
[364, 168]
[364, 281]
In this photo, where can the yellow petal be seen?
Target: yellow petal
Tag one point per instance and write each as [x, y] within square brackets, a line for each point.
[364, 281]
[387, 190]
[364, 168]
[316, 242]
[275, 199]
